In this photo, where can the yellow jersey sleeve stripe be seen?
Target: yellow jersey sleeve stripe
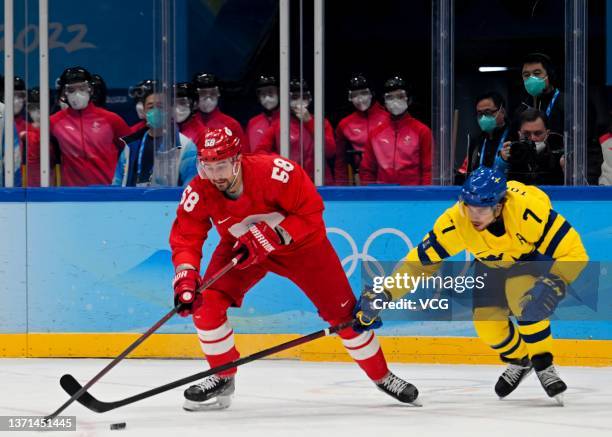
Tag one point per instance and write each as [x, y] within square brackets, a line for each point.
[436, 246]
[558, 237]
[551, 219]
[423, 257]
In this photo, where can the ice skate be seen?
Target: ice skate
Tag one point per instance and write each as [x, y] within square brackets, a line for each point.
[549, 378]
[213, 393]
[399, 389]
[517, 370]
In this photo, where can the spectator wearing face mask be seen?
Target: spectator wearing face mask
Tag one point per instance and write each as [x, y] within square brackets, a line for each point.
[494, 131]
[399, 150]
[539, 80]
[536, 158]
[144, 148]
[207, 90]
[137, 93]
[267, 94]
[353, 130]
[186, 118]
[88, 137]
[301, 133]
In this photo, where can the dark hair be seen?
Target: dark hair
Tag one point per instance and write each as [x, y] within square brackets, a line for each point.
[545, 60]
[529, 115]
[498, 100]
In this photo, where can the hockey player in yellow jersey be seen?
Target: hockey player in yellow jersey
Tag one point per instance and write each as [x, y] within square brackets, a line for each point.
[505, 225]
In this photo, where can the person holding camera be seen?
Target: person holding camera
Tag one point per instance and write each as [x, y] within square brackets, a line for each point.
[536, 158]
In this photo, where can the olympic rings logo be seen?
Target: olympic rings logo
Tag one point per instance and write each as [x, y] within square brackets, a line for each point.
[356, 255]
[364, 255]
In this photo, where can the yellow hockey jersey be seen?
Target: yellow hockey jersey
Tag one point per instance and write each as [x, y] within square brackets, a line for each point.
[530, 225]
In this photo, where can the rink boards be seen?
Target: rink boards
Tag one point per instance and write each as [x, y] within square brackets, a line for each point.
[83, 270]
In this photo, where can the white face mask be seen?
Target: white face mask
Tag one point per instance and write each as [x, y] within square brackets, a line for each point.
[35, 116]
[18, 104]
[207, 104]
[78, 100]
[269, 102]
[63, 105]
[540, 145]
[140, 110]
[1, 109]
[396, 106]
[181, 112]
[362, 103]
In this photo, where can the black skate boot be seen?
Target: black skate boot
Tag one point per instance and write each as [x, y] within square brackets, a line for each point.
[517, 370]
[399, 389]
[548, 376]
[218, 390]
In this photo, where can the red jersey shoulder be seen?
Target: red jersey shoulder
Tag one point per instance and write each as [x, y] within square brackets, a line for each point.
[269, 170]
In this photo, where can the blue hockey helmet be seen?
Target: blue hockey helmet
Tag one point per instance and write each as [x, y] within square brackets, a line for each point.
[484, 187]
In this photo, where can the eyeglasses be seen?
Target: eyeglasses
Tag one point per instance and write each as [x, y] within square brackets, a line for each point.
[208, 92]
[394, 95]
[359, 93]
[488, 112]
[182, 101]
[74, 87]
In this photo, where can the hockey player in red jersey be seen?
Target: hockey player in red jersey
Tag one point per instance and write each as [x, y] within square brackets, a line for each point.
[266, 207]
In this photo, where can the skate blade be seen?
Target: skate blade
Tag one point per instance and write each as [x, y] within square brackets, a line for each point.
[416, 403]
[559, 399]
[218, 403]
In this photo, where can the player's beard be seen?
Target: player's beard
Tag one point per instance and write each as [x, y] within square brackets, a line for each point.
[221, 184]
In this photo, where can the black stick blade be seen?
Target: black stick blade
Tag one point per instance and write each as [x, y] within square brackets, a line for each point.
[72, 386]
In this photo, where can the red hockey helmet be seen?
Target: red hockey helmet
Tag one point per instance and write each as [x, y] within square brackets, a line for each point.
[217, 145]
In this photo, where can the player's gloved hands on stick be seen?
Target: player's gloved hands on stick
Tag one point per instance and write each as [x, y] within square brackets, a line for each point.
[258, 242]
[541, 301]
[368, 308]
[185, 284]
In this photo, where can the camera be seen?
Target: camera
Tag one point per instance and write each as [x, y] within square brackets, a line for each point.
[523, 165]
[522, 153]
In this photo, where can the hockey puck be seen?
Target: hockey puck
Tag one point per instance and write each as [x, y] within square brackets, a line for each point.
[120, 425]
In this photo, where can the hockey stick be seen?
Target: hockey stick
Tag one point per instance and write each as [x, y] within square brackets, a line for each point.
[81, 390]
[72, 386]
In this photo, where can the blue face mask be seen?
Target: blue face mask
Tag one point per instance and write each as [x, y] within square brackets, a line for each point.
[155, 118]
[487, 123]
[535, 85]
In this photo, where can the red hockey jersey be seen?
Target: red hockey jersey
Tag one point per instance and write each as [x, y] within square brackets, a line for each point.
[275, 190]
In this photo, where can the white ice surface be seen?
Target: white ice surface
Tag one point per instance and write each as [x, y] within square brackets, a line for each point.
[293, 398]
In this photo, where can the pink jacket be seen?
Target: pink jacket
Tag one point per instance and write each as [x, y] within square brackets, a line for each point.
[89, 144]
[398, 152]
[352, 134]
[270, 143]
[258, 125]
